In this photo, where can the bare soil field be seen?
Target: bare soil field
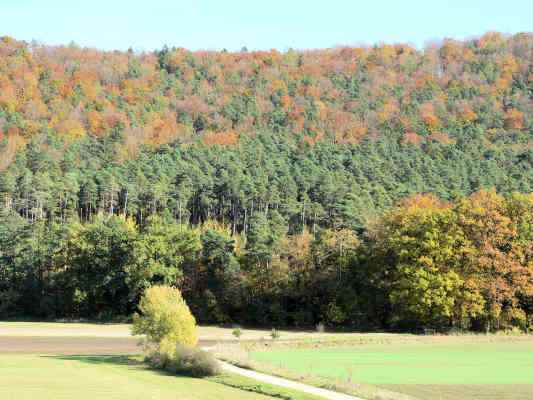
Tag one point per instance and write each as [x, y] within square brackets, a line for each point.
[75, 345]
[67, 345]
[70, 329]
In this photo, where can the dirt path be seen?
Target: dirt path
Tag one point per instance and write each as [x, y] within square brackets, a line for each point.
[274, 380]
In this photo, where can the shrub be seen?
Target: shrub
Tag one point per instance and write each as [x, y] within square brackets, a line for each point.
[237, 332]
[165, 319]
[186, 360]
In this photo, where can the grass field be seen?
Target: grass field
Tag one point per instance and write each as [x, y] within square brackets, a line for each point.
[43, 361]
[468, 368]
[30, 377]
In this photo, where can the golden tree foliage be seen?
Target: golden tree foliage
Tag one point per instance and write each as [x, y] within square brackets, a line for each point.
[165, 319]
[455, 262]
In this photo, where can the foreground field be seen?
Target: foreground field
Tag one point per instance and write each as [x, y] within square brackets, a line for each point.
[29, 377]
[467, 367]
[64, 361]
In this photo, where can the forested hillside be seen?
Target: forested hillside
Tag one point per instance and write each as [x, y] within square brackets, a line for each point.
[448, 93]
[273, 188]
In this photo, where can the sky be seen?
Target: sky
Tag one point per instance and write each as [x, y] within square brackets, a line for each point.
[146, 25]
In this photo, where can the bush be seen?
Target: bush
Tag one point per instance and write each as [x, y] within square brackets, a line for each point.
[237, 332]
[165, 319]
[186, 360]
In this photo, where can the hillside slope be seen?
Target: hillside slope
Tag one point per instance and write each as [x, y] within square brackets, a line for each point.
[445, 93]
[379, 187]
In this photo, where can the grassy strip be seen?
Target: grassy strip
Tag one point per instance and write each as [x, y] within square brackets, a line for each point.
[250, 385]
[348, 340]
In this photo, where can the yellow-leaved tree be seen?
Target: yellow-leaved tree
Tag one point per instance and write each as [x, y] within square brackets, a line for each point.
[165, 319]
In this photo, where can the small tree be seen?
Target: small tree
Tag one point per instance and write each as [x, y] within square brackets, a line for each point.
[165, 319]
[237, 332]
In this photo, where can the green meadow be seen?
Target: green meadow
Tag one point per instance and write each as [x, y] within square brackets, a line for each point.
[465, 369]
[62, 377]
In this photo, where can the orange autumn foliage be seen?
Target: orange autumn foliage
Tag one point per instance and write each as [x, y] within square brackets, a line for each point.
[412, 138]
[427, 113]
[514, 119]
[220, 138]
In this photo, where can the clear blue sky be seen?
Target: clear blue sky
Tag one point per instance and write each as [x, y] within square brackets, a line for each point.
[261, 24]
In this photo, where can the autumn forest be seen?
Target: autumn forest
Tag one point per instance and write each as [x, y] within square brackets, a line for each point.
[383, 187]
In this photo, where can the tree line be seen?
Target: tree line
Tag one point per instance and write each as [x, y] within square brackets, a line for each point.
[270, 233]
